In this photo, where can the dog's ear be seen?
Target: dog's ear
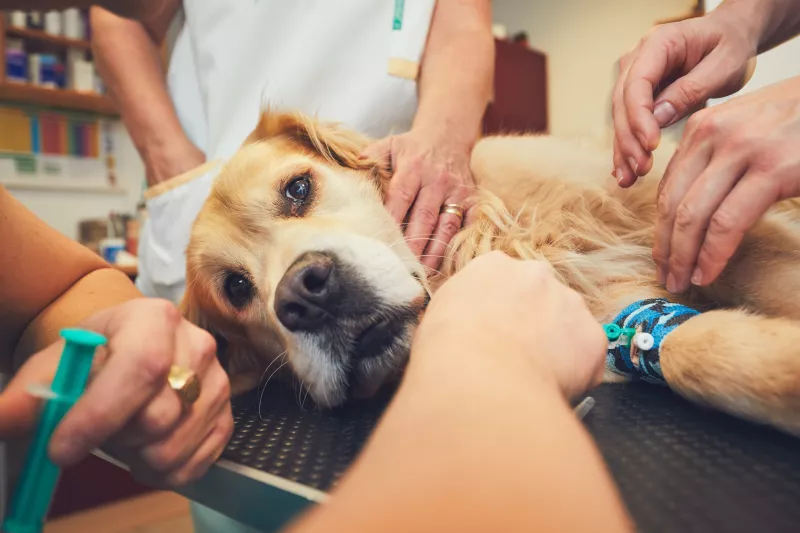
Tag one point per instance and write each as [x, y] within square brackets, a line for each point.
[333, 143]
[241, 365]
[327, 140]
[190, 309]
[192, 313]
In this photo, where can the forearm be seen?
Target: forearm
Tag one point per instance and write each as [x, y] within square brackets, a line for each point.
[98, 290]
[128, 58]
[483, 448]
[769, 22]
[457, 70]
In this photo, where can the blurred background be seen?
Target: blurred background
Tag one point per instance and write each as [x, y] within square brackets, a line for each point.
[65, 154]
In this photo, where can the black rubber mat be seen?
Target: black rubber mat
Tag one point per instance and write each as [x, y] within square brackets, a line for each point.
[680, 468]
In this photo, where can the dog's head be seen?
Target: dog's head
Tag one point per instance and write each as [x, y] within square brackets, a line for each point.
[293, 259]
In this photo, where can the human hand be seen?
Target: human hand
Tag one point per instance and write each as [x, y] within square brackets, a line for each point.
[428, 172]
[128, 407]
[499, 307]
[735, 160]
[671, 73]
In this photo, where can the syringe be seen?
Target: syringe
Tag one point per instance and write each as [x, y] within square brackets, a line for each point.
[33, 494]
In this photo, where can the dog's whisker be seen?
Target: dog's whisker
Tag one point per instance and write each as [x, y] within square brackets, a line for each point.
[412, 239]
[300, 393]
[261, 397]
[303, 403]
[285, 362]
[395, 243]
[270, 365]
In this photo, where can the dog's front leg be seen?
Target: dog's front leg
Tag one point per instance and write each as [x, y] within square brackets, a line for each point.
[739, 363]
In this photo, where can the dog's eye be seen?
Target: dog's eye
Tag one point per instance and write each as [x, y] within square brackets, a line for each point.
[298, 189]
[238, 289]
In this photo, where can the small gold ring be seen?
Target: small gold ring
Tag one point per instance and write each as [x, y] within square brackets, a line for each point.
[185, 383]
[453, 209]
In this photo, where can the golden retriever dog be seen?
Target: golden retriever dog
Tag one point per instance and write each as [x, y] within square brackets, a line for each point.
[294, 260]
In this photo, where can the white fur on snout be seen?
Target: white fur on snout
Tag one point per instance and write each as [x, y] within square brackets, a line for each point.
[321, 375]
[388, 278]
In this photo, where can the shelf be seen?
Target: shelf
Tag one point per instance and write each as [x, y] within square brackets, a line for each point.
[57, 98]
[54, 40]
[35, 184]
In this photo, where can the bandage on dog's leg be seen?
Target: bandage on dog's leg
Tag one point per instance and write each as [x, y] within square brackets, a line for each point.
[739, 363]
[636, 335]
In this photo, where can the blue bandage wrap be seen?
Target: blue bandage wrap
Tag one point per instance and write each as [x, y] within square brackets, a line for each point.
[657, 317]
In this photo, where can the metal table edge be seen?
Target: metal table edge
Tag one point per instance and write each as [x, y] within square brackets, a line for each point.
[260, 500]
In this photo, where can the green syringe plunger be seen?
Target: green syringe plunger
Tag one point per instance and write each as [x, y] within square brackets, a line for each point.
[36, 486]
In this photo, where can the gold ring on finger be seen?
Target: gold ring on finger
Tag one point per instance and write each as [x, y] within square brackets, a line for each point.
[453, 209]
[185, 383]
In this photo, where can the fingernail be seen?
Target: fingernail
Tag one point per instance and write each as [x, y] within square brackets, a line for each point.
[665, 113]
[697, 276]
[62, 452]
[634, 165]
[618, 174]
[671, 285]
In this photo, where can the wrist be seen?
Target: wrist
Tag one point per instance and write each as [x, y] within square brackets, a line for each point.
[754, 19]
[458, 135]
[442, 361]
[449, 123]
[165, 161]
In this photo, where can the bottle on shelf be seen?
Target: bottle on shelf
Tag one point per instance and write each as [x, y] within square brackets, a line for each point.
[16, 61]
[36, 20]
[18, 19]
[52, 22]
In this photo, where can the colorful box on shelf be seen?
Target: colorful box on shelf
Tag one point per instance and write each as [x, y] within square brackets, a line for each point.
[48, 133]
[52, 73]
[16, 66]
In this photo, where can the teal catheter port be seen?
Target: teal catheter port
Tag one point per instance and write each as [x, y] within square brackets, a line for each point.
[34, 492]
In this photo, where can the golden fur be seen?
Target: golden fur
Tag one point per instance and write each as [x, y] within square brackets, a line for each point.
[539, 198]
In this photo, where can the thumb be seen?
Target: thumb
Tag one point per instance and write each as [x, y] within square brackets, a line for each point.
[713, 77]
[19, 410]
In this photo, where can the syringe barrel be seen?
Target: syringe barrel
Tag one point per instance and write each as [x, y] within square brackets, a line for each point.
[37, 483]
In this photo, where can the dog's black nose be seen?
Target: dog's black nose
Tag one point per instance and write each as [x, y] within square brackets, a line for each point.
[307, 293]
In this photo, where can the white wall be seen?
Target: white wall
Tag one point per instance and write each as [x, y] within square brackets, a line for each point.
[778, 64]
[64, 209]
[583, 40]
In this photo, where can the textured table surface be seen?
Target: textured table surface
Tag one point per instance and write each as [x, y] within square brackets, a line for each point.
[680, 468]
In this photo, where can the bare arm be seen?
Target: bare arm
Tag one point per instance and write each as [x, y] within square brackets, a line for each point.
[457, 69]
[480, 448]
[127, 57]
[771, 22]
[430, 162]
[47, 282]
